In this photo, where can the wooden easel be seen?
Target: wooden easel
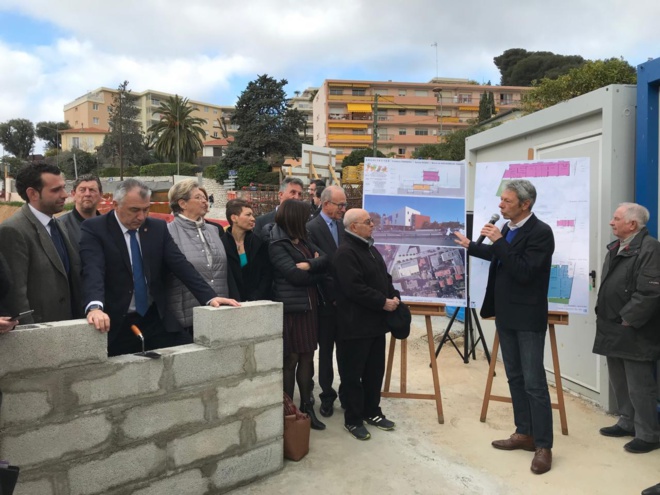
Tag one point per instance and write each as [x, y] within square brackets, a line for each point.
[554, 318]
[428, 310]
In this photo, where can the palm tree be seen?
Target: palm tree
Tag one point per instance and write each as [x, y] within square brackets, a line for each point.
[178, 135]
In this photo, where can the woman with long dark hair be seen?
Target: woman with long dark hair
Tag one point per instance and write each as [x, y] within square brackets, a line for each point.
[298, 266]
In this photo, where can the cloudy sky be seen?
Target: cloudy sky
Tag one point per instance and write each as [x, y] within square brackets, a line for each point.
[53, 51]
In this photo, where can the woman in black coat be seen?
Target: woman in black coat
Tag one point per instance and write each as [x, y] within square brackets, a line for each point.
[247, 254]
[298, 266]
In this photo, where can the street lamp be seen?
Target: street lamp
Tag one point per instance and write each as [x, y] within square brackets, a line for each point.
[438, 95]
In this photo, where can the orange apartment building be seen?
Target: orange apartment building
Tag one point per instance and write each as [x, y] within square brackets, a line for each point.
[93, 110]
[409, 115]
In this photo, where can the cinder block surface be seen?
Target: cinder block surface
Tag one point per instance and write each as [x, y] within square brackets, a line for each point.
[98, 476]
[270, 423]
[145, 421]
[201, 364]
[120, 377]
[207, 443]
[23, 407]
[249, 466]
[257, 392]
[189, 482]
[52, 441]
[268, 355]
[40, 487]
[52, 345]
[225, 325]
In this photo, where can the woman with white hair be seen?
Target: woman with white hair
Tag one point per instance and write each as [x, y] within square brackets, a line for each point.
[201, 245]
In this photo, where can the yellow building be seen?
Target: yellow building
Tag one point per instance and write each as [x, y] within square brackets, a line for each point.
[93, 110]
[409, 115]
[85, 138]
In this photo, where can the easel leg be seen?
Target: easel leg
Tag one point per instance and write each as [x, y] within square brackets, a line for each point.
[489, 380]
[560, 391]
[404, 365]
[434, 370]
[390, 359]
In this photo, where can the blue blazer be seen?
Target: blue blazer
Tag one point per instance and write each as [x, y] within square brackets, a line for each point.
[108, 276]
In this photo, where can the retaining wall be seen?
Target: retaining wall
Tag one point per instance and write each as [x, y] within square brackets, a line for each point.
[205, 418]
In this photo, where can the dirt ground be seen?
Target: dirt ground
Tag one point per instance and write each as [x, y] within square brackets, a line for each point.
[424, 457]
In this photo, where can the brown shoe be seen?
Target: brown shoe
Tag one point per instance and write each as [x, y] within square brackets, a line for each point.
[516, 442]
[542, 461]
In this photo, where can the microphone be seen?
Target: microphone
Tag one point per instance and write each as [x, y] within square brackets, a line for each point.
[492, 221]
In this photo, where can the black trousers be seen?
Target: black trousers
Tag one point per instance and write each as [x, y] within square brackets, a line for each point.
[327, 339]
[153, 331]
[362, 370]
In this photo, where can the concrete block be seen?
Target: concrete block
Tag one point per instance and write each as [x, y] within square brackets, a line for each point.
[199, 364]
[24, 406]
[119, 378]
[268, 355]
[52, 441]
[206, 443]
[225, 325]
[146, 421]
[40, 487]
[255, 393]
[270, 424]
[51, 345]
[190, 482]
[249, 466]
[121, 467]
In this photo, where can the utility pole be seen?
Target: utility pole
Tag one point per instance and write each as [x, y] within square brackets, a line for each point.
[375, 126]
[178, 104]
[121, 133]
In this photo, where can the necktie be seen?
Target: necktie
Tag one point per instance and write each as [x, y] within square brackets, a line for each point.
[59, 243]
[333, 231]
[510, 235]
[139, 282]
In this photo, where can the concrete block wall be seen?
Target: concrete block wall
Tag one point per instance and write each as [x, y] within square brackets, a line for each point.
[203, 419]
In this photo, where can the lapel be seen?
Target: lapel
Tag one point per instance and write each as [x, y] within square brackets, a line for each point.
[118, 237]
[45, 240]
[523, 231]
[146, 242]
[327, 235]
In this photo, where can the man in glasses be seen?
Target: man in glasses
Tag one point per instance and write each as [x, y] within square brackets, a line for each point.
[364, 296]
[326, 230]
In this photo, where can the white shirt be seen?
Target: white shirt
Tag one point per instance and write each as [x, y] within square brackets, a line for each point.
[42, 217]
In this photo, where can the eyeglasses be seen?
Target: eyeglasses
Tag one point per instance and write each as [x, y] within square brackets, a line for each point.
[368, 221]
[339, 205]
[200, 197]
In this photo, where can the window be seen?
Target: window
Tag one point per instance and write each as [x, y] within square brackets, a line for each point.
[421, 92]
[95, 106]
[75, 142]
[402, 111]
[464, 98]
[359, 131]
[421, 112]
[402, 132]
[155, 102]
[215, 111]
[359, 92]
[506, 99]
[215, 134]
[380, 91]
[402, 92]
[206, 109]
[336, 91]
[95, 120]
[402, 151]
[421, 132]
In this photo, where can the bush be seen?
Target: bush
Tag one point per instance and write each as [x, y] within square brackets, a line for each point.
[159, 169]
[269, 178]
[209, 172]
[250, 173]
[114, 172]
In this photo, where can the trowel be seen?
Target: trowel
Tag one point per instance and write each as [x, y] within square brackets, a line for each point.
[149, 354]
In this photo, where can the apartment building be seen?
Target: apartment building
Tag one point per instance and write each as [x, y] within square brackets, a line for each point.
[93, 110]
[302, 101]
[408, 115]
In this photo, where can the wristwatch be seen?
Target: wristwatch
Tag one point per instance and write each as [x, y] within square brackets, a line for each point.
[92, 307]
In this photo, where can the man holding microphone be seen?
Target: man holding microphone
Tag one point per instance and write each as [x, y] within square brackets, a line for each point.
[517, 296]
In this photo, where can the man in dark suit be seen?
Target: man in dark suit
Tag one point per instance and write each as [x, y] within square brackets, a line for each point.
[125, 258]
[45, 267]
[313, 188]
[517, 296]
[326, 231]
[290, 188]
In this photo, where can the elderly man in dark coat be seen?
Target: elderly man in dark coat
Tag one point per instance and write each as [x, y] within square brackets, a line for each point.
[364, 294]
[628, 326]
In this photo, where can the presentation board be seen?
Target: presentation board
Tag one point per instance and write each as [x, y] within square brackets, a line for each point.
[562, 187]
[415, 206]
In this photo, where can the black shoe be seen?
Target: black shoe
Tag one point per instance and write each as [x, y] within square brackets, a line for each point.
[652, 490]
[381, 422]
[616, 431]
[316, 424]
[639, 446]
[358, 432]
[326, 409]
